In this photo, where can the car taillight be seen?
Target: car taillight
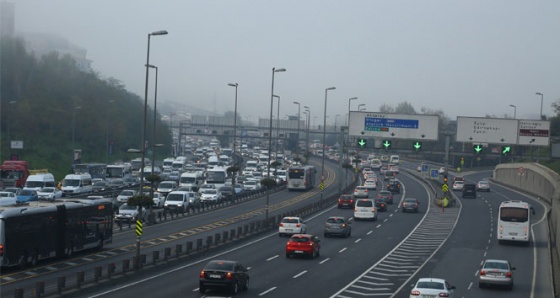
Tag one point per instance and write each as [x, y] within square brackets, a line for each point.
[281, 224]
[508, 274]
[366, 190]
[298, 225]
[202, 274]
[443, 295]
[1, 250]
[415, 293]
[482, 272]
[229, 275]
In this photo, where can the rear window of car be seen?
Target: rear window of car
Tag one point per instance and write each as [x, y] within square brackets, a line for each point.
[290, 220]
[430, 285]
[469, 186]
[299, 239]
[335, 220]
[367, 203]
[219, 266]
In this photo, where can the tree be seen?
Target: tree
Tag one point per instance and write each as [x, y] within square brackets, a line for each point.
[385, 108]
[405, 108]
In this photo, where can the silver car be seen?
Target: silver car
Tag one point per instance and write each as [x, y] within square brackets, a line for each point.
[496, 272]
[361, 192]
[338, 225]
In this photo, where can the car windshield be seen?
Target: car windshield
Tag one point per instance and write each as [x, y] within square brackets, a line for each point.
[26, 193]
[210, 191]
[47, 189]
[128, 207]
[174, 197]
[127, 193]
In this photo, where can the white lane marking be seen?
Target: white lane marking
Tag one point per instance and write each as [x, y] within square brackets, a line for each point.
[369, 232]
[342, 250]
[267, 291]
[272, 258]
[300, 274]
[385, 220]
[358, 240]
[390, 215]
[323, 261]
[470, 286]
[378, 226]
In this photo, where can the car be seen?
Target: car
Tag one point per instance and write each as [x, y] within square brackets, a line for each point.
[441, 170]
[206, 186]
[166, 187]
[394, 169]
[226, 192]
[383, 170]
[458, 185]
[49, 193]
[386, 195]
[394, 186]
[496, 272]
[177, 201]
[125, 195]
[238, 188]
[252, 185]
[117, 184]
[458, 178]
[338, 225]
[432, 287]
[100, 186]
[469, 190]
[174, 176]
[483, 185]
[158, 200]
[27, 195]
[380, 205]
[388, 175]
[346, 201]
[14, 190]
[303, 245]
[420, 166]
[129, 213]
[370, 184]
[291, 225]
[131, 181]
[223, 274]
[212, 196]
[365, 209]
[361, 192]
[410, 204]
[7, 198]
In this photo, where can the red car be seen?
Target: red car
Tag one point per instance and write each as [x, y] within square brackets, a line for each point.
[303, 245]
[346, 201]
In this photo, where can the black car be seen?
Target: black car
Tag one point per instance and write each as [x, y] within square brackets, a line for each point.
[394, 186]
[381, 205]
[410, 204]
[469, 190]
[221, 274]
[227, 192]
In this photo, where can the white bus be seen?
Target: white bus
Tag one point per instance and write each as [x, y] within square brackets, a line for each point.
[514, 221]
[301, 177]
[118, 171]
[216, 176]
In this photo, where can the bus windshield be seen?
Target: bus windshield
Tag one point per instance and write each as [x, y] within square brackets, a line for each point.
[296, 173]
[212, 177]
[513, 214]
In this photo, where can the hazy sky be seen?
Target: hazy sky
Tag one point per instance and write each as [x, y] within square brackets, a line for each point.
[467, 58]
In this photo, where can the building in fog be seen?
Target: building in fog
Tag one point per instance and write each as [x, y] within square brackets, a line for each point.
[7, 19]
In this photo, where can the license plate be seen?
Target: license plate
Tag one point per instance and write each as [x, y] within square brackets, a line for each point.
[215, 276]
[429, 296]
[299, 251]
[288, 230]
[513, 234]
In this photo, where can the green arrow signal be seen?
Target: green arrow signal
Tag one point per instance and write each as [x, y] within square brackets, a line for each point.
[362, 142]
[386, 144]
[506, 149]
[417, 145]
[477, 148]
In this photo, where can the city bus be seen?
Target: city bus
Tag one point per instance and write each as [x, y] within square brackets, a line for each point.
[30, 234]
[514, 221]
[96, 170]
[216, 176]
[301, 177]
[118, 171]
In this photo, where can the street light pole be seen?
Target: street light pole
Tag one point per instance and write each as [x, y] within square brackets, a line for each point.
[308, 127]
[143, 148]
[154, 131]
[107, 133]
[514, 111]
[234, 137]
[335, 121]
[298, 120]
[324, 140]
[74, 126]
[274, 70]
[171, 130]
[277, 126]
[542, 96]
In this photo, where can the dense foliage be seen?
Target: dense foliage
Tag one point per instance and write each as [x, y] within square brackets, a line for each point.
[48, 101]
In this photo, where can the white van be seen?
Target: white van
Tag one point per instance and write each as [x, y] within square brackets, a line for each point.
[37, 181]
[365, 209]
[189, 179]
[76, 184]
[394, 159]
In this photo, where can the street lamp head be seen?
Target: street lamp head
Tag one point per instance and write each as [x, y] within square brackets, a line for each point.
[233, 84]
[331, 88]
[306, 107]
[151, 66]
[277, 96]
[352, 98]
[160, 32]
[538, 93]
[513, 106]
[295, 102]
[279, 69]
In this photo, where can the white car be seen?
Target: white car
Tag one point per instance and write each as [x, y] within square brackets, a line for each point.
[49, 193]
[252, 185]
[365, 209]
[432, 287]
[370, 184]
[292, 225]
[458, 185]
[125, 195]
[211, 195]
[158, 200]
[127, 212]
[8, 198]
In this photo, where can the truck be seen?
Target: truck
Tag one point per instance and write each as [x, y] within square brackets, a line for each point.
[14, 173]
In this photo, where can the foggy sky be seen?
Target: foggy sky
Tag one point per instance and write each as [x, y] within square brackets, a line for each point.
[467, 58]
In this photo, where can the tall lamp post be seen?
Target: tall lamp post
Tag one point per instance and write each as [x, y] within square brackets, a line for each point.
[154, 131]
[143, 148]
[335, 121]
[542, 96]
[298, 120]
[274, 70]
[277, 126]
[171, 130]
[348, 121]
[514, 111]
[324, 140]
[234, 137]
[308, 110]
[107, 133]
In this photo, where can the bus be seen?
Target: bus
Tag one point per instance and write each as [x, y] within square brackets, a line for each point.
[31, 234]
[301, 177]
[96, 170]
[514, 221]
[118, 171]
[216, 176]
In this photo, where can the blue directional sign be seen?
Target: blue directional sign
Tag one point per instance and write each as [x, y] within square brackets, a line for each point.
[377, 124]
[434, 173]
[424, 168]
